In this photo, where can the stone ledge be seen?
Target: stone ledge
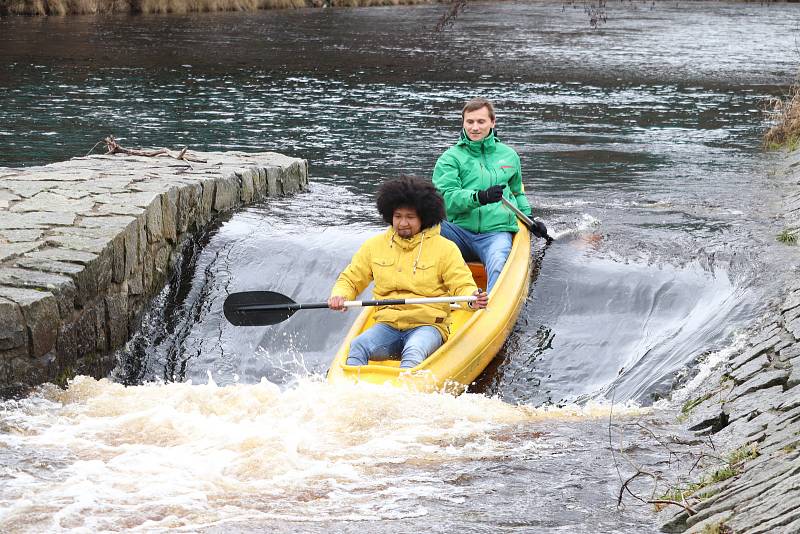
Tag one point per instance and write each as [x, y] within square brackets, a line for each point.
[752, 403]
[85, 243]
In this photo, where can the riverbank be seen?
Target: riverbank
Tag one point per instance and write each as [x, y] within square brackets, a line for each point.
[90, 7]
[748, 409]
[85, 244]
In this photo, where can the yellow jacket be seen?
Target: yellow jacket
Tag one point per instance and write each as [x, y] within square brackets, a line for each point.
[425, 265]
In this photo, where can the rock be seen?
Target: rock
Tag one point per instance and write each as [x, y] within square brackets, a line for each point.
[704, 526]
[41, 313]
[47, 201]
[27, 221]
[100, 235]
[792, 399]
[708, 414]
[13, 333]
[117, 319]
[778, 506]
[12, 250]
[62, 254]
[168, 214]
[794, 328]
[792, 301]
[21, 236]
[746, 371]
[48, 266]
[789, 352]
[188, 207]
[246, 191]
[764, 334]
[227, 193]
[750, 405]
[755, 351]
[154, 224]
[751, 485]
[762, 380]
[28, 188]
[794, 372]
[780, 439]
[72, 242]
[744, 431]
[7, 199]
[784, 420]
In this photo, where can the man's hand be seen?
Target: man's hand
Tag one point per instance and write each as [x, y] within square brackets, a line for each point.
[483, 300]
[337, 303]
[492, 194]
[539, 230]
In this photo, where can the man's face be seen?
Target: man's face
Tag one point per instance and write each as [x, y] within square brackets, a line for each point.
[406, 222]
[478, 123]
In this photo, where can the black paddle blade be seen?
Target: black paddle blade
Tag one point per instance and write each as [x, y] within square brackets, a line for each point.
[257, 308]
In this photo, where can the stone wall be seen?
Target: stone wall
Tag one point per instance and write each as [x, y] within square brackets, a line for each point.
[84, 244]
[750, 406]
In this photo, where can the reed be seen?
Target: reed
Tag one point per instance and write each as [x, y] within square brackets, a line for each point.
[784, 113]
[83, 7]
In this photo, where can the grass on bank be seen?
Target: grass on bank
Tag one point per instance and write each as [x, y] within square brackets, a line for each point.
[717, 528]
[731, 468]
[85, 7]
[788, 236]
[784, 113]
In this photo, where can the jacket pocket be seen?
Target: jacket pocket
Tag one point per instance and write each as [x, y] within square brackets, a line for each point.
[383, 273]
[426, 277]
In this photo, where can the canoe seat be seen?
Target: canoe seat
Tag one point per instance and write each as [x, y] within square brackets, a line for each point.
[478, 274]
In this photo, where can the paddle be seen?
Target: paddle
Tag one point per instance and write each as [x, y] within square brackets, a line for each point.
[527, 221]
[260, 308]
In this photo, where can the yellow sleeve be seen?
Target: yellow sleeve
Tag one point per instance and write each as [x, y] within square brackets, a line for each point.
[356, 277]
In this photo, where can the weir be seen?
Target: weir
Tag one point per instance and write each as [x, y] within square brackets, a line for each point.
[85, 243]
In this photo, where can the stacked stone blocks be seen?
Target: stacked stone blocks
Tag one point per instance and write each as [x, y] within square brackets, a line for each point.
[752, 402]
[84, 245]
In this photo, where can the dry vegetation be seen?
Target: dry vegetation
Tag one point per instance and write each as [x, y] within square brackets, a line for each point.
[75, 7]
[784, 113]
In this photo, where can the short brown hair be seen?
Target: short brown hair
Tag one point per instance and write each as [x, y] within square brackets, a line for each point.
[477, 103]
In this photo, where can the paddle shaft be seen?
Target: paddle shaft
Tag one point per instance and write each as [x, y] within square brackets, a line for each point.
[522, 217]
[527, 221]
[294, 306]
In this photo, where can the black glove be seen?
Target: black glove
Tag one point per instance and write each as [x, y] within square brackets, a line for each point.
[492, 194]
[539, 230]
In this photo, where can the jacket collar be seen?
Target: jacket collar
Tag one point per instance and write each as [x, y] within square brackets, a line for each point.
[487, 144]
[414, 240]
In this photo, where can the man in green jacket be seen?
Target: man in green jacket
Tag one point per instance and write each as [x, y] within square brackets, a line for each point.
[473, 176]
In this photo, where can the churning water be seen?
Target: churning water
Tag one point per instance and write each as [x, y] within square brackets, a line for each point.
[640, 149]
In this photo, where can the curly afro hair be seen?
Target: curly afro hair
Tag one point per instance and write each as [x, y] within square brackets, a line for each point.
[411, 192]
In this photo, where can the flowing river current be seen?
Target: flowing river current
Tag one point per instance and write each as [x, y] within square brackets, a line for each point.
[640, 146]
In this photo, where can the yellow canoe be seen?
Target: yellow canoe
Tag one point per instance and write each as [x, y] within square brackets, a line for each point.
[475, 337]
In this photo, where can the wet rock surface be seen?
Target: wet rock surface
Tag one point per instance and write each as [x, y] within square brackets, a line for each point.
[750, 407]
[85, 243]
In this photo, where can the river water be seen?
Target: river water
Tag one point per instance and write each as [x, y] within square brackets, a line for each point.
[640, 149]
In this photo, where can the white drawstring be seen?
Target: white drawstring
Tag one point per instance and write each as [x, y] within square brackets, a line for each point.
[421, 240]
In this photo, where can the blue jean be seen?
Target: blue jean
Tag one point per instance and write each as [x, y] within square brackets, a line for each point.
[381, 342]
[491, 248]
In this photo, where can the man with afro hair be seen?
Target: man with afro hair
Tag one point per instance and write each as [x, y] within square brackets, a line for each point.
[409, 260]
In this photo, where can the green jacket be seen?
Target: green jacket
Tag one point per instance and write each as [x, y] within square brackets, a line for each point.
[470, 166]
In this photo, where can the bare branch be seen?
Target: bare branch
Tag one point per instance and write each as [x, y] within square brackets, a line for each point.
[448, 17]
[689, 509]
[115, 148]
